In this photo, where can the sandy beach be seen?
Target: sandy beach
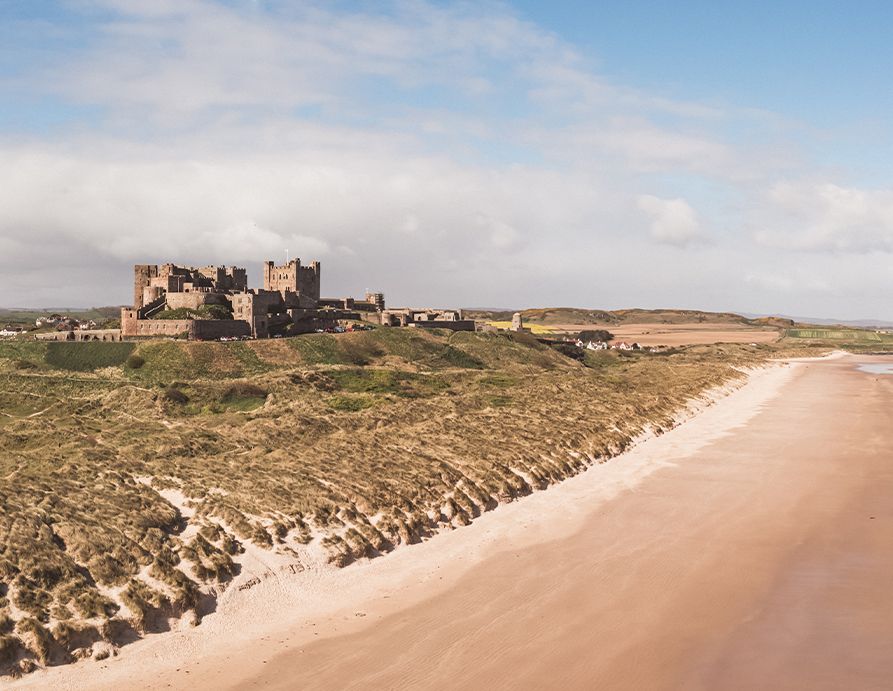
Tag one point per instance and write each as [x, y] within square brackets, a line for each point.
[747, 548]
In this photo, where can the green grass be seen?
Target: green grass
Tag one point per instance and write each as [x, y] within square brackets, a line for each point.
[423, 348]
[32, 352]
[387, 381]
[499, 380]
[98, 314]
[248, 359]
[350, 403]
[601, 359]
[87, 356]
[243, 397]
[498, 401]
[840, 335]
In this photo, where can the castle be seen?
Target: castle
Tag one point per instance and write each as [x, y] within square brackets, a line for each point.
[213, 302]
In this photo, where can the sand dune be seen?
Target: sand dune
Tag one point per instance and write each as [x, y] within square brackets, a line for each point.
[746, 549]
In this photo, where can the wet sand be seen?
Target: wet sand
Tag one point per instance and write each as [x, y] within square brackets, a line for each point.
[763, 560]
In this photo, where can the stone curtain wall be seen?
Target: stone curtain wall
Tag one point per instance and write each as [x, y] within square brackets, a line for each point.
[212, 329]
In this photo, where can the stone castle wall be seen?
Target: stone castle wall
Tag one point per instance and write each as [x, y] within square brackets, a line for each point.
[200, 329]
[308, 281]
[212, 329]
[161, 327]
[78, 335]
[142, 278]
[195, 300]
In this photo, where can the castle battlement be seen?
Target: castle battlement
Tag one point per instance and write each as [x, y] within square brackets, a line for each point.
[293, 278]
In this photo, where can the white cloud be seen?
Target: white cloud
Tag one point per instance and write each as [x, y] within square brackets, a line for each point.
[446, 153]
[828, 217]
[409, 218]
[672, 221]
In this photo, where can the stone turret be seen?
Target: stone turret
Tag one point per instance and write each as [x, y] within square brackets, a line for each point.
[517, 322]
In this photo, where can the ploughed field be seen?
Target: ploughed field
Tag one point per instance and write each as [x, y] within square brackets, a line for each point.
[136, 476]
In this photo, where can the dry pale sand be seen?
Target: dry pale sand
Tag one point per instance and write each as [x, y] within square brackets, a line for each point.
[680, 334]
[748, 548]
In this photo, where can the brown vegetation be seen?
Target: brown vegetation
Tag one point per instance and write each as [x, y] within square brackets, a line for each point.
[334, 447]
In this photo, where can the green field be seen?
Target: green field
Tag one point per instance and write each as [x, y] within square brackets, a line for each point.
[26, 316]
[858, 335]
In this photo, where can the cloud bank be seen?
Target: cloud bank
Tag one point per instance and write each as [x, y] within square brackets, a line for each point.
[448, 154]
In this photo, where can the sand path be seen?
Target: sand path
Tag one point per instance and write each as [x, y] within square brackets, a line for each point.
[750, 548]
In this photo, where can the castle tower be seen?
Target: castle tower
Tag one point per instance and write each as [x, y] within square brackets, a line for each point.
[293, 278]
[142, 278]
[376, 299]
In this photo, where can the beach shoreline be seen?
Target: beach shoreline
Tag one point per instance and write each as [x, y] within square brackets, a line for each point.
[331, 602]
[759, 560]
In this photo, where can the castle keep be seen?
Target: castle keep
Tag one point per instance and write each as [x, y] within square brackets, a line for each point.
[293, 278]
[213, 302]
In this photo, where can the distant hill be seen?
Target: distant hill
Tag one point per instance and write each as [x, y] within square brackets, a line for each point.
[576, 315]
[22, 315]
[852, 323]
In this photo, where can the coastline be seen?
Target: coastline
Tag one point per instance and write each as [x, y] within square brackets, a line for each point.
[286, 610]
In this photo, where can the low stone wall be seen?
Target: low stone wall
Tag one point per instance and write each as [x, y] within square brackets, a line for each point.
[160, 327]
[78, 335]
[452, 325]
[198, 329]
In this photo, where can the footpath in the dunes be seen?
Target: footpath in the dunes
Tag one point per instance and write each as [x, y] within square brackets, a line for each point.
[761, 561]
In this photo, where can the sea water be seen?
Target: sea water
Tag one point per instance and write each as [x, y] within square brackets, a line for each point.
[877, 368]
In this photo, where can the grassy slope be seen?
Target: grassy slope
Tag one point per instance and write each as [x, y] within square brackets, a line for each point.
[574, 315]
[348, 445]
[25, 316]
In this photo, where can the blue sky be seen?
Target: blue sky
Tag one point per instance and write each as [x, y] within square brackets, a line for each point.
[702, 154]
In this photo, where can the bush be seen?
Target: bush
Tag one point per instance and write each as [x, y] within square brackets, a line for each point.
[568, 350]
[596, 335]
[242, 390]
[174, 395]
[243, 396]
[134, 361]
